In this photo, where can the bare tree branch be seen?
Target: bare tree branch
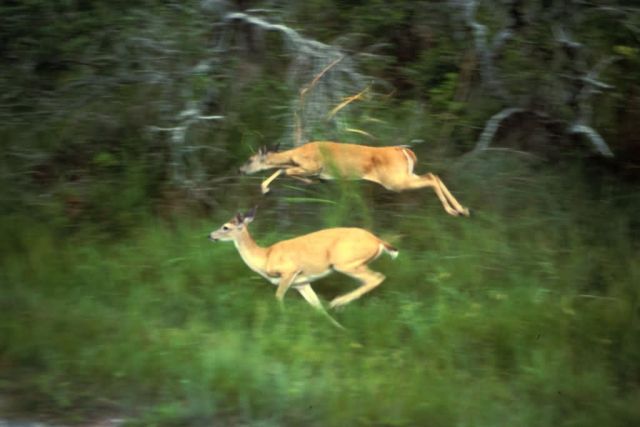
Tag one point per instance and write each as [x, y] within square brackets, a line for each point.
[591, 86]
[492, 126]
[580, 98]
[486, 52]
[585, 83]
[299, 113]
[331, 70]
[594, 137]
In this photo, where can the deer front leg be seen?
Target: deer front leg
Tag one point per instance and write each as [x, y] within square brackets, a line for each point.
[452, 200]
[303, 179]
[307, 292]
[265, 184]
[285, 282]
[431, 180]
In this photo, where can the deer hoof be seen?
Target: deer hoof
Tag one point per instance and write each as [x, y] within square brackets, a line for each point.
[336, 303]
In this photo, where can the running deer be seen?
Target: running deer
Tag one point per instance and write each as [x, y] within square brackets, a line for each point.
[391, 167]
[299, 261]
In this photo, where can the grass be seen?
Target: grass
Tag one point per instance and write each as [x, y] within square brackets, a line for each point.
[525, 314]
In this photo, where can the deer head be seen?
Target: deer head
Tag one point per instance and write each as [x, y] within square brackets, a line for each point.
[231, 229]
[259, 161]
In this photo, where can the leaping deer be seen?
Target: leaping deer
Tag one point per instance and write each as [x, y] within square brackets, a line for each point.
[299, 261]
[391, 167]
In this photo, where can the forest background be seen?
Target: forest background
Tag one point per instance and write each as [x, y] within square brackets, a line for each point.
[122, 126]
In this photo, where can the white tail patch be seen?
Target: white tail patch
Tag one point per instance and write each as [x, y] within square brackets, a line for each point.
[393, 253]
[410, 163]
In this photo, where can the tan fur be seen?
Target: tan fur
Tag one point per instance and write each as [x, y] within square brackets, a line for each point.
[299, 261]
[391, 167]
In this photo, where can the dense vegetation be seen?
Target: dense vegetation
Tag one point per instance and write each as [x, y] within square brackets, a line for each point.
[123, 125]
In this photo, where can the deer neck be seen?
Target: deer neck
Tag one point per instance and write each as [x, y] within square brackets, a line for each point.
[280, 159]
[253, 255]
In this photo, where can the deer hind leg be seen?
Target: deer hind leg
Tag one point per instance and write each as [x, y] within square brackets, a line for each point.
[452, 200]
[303, 179]
[299, 174]
[307, 292]
[370, 280]
[450, 204]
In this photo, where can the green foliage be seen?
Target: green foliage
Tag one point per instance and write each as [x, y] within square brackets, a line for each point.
[113, 302]
[524, 314]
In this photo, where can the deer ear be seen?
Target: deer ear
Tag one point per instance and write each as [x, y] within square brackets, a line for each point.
[250, 215]
[239, 218]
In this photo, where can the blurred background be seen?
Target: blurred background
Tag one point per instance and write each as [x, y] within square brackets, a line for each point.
[122, 127]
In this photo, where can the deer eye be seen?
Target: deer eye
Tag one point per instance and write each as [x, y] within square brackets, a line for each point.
[225, 228]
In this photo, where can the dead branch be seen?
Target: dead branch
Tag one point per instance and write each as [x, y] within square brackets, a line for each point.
[298, 117]
[488, 52]
[331, 73]
[492, 126]
[317, 78]
[346, 102]
[585, 83]
[361, 132]
[179, 148]
[594, 137]
[582, 92]
[591, 86]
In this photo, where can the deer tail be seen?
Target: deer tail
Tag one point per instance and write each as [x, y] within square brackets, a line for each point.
[391, 250]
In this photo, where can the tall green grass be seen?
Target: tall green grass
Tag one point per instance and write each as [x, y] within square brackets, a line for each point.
[524, 314]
